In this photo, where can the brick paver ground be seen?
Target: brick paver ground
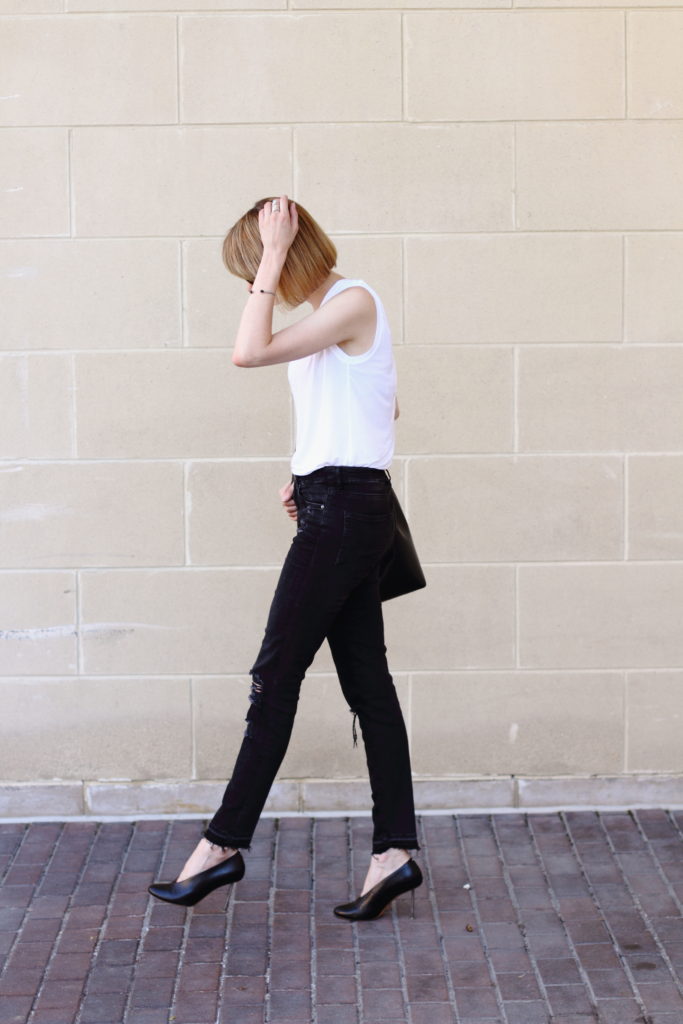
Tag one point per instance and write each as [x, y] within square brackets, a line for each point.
[523, 919]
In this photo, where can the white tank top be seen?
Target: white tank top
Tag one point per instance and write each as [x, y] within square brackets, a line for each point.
[345, 404]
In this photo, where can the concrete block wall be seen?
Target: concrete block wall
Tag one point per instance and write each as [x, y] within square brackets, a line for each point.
[510, 178]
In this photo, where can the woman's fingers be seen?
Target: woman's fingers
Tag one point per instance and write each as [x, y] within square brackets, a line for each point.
[287, 499]
[283, 207]
[276, 208]
[279, 226]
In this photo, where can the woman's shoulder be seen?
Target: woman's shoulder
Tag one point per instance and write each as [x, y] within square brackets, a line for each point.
[356, 291]
[361, 299]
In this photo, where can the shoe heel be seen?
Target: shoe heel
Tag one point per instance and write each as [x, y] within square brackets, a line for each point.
[375, 901]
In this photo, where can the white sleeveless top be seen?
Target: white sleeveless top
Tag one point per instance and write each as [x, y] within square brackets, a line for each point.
[345, 404]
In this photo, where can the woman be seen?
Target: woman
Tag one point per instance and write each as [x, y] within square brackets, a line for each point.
[343, 380]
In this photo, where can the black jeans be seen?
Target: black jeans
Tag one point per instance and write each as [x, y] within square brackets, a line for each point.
[328, 588]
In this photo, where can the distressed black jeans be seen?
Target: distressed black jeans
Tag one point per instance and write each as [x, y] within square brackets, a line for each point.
[328, 588]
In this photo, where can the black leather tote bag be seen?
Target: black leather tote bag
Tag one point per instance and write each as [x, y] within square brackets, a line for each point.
[400, 569]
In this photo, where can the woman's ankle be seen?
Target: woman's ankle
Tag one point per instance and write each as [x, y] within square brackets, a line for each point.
[227, 851]
[392, 854]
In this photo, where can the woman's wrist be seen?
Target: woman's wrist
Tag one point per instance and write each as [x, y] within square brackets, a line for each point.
[275, 256]
[269, 271]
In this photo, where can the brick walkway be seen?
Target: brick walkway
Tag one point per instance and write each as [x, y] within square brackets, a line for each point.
[569, 918]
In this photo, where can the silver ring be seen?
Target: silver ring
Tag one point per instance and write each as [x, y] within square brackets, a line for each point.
[275, 206]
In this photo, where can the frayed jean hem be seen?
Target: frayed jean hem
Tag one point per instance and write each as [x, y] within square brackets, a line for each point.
[221, 840]
[402, 842]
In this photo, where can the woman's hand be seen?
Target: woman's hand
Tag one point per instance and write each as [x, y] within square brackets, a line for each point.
[278, 229]
[287, 500]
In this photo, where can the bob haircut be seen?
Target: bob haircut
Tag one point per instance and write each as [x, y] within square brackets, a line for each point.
[310, 258]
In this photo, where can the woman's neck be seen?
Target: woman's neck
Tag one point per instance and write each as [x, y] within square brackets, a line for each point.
[316, 297]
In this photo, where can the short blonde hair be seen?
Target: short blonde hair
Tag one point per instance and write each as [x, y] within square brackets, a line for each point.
[310, 258]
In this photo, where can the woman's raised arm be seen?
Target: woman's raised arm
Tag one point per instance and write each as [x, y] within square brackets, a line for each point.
[347, 317]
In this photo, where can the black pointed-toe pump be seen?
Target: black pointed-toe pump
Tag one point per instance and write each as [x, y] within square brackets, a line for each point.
[376, 900]
[192, 890]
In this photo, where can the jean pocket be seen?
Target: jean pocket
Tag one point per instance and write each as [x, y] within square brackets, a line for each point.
[311, 508]
[355, 515]
[366, 535]
[312, 498]
[310, 494]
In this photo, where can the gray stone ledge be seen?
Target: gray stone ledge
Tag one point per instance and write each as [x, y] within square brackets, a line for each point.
[24, 801]
[35, 799]
[175, 797]
[618, 791]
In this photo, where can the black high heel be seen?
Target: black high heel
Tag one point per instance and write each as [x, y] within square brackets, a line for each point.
[376, 900]
[192, 890]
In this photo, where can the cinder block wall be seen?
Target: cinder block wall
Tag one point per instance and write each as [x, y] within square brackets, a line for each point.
[511, 180]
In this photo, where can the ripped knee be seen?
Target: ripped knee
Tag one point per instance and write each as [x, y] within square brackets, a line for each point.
[353, 726]
[255, 702]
